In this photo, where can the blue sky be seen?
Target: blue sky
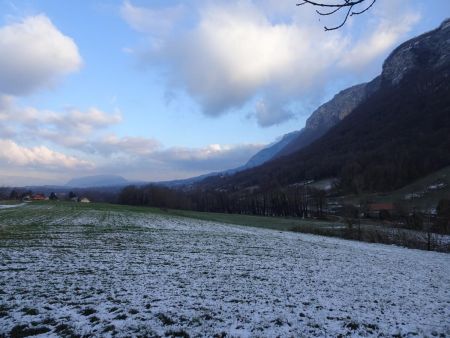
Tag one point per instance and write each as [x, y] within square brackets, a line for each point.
[157, 90]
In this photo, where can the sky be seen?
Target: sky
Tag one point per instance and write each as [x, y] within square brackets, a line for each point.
[161, 90]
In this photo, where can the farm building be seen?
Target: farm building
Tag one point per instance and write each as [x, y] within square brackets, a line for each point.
[38, 197]
[380, 210]
[85, 200]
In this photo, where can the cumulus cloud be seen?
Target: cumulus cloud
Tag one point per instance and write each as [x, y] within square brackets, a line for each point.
[237, 51]
[70, 128]
[82, 122]
[41, 156]
[28, 125]
[34, 54]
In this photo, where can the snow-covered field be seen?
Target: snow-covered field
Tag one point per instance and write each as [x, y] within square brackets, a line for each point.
[67, 271]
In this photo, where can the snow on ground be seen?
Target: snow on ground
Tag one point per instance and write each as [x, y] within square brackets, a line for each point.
[8, 206]
[120, 273]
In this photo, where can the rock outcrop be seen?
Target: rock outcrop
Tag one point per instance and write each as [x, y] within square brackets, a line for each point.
[342, 104]
[431, 49]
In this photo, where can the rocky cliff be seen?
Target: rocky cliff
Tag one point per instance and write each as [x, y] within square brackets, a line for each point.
[328, 114]
[431, 49]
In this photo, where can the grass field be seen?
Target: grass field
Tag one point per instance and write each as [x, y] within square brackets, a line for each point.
[72, 270]
[423, 194]
[426, 192]
[276, 223]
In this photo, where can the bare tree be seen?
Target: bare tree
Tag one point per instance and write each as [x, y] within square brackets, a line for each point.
[349, 7]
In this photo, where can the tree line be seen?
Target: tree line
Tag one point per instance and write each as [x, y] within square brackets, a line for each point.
[296, 201]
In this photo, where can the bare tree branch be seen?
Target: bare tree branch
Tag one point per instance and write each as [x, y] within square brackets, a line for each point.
[347, 5]
[366, 9]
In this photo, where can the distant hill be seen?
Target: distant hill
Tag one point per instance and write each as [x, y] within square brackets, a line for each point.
[394, 136]
[270, 151]
[185, 182]
[97, 181]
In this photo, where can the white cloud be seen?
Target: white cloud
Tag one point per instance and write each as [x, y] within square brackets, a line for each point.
[70, 128]
[34, 54]
[156, 22]
[236, 51]
[40, 156]
[268, 114]
[83, 122]
[131, 146]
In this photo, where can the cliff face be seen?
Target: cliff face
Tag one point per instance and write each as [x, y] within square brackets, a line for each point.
[342, 104]
[429, 50]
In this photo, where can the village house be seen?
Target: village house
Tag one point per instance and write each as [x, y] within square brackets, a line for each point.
[38, 197]
[380, 210]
